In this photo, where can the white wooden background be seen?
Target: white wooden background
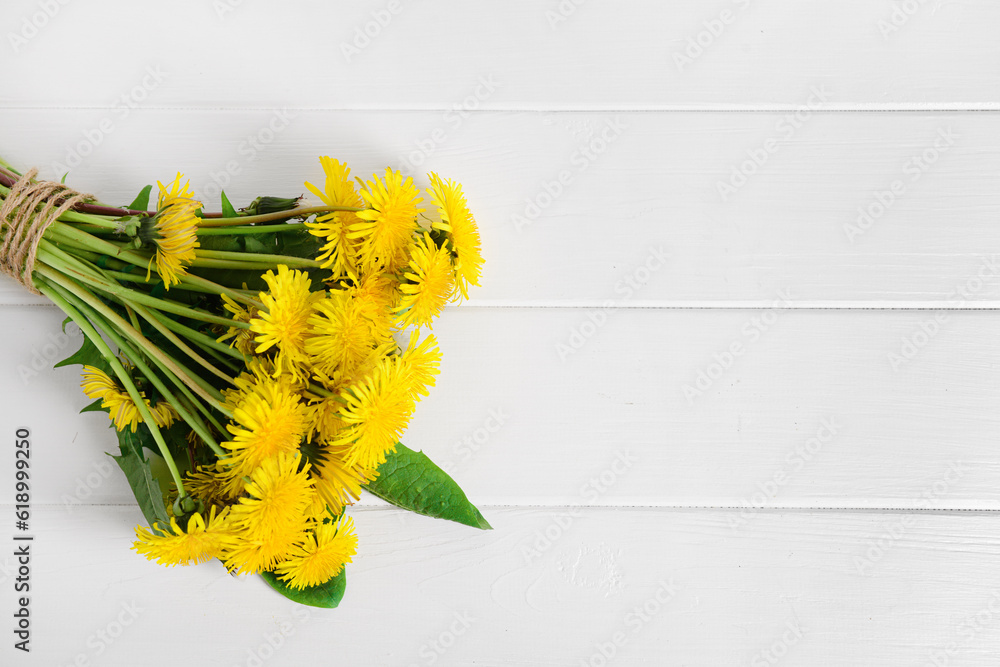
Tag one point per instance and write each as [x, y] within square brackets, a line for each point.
[827, 496]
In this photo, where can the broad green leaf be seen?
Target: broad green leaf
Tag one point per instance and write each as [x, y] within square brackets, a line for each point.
[141, 202]
[410, 480]
[327, 595]
[252, 244]
[135, 465]
[87, 355]
[227, 209]
[94, 407]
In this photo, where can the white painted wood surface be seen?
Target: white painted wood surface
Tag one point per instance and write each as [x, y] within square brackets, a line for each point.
[826, 496]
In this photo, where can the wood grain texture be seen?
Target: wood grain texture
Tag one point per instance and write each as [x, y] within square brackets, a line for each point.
[817, 411]
[865, 209]
[818, 588]
[727, 394]
[573, 54]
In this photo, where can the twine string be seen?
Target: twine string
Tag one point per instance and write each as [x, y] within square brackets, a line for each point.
[22, 224]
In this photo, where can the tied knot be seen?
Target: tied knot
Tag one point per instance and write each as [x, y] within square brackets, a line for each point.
[25, 214]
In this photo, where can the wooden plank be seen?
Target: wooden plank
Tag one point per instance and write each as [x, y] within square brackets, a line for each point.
[823, 408]
[640, 54]
[847, 210]
[639, 584]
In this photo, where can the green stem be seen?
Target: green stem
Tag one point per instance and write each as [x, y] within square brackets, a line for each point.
[140, 297]
[50, 291]
[204, 433]
[84, 241]
[196, 336]
[195, 422]
[173, 338]
[303, 212]
[195, 383]
[264, 229]
[253, 258]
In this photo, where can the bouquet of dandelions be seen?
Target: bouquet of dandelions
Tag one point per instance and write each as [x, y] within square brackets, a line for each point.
[268, 359]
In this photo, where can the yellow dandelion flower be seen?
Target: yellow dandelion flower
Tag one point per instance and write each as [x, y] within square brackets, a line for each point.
[386, 228]
[341, 335]
[338, 483]
[173, 231]
[168, 194]
[122, 409]
[339, 254]
[376, 294]
[326, 422]
[277, 497]
[202, 541]
[208, 484]
[260, 372]
[242, 339]
[164, 414]
[376, 412]
[288, 305]
[327, 548]
[430, 284]
[251, 554]
[421, 363]
[270, 420]
[460, 229]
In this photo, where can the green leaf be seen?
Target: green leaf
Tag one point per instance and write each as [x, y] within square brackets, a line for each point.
[137, 469]
[87, 355]
[141, 202]
[410, 480]
[327, 595]
[95, 407]
[227, 209]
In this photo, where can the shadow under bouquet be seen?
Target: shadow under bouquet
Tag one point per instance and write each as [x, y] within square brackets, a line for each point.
[259, 365]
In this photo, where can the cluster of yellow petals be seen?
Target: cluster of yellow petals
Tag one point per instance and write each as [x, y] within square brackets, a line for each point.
[122, 410]
[175, 230]
[328, 388]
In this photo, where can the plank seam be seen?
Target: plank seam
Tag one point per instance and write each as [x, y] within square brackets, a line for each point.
[979, 107]
[716, 508]
[987, 306]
